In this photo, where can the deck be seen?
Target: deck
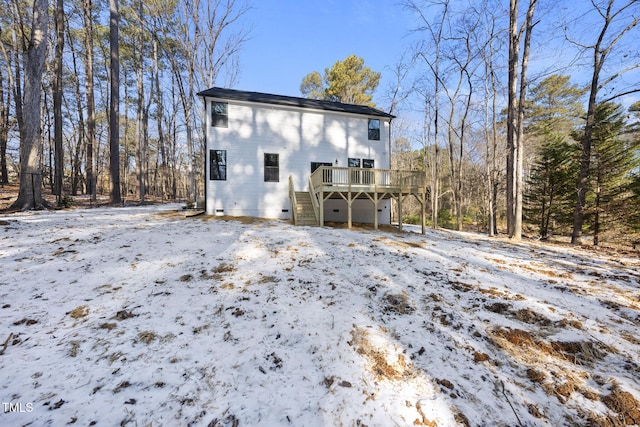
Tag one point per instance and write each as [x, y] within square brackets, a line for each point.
[350, 184]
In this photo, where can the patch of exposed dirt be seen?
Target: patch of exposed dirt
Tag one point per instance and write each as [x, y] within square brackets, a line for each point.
[124, 314]
[498, 307]
[529, 316]
[25, 321]
[399, 243]
[79, 312]
[382, 366]
[223, 268]
[398, 303]
[581, 351]
[624, 405]
[536, 376]
[147, 337]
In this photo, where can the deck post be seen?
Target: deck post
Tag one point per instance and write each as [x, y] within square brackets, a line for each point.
[400, 210]
[375, 200]
[375, 210]
[349, 213]
[423, 212]
[342, 182]
[321, 208]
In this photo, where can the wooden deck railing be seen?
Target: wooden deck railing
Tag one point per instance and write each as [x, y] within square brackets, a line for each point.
[363, 179]
[294, 202]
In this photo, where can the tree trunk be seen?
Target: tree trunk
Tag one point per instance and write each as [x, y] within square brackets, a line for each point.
[114, 106]
[186, 105]
[493, 173]
[30, 193]
[57, 101]
[515, 118]
[161, 144]
[4, 129]
[521, 107]
[140, 150]
[585, 160]
[188, 113]
[514, 51]
[91, 114]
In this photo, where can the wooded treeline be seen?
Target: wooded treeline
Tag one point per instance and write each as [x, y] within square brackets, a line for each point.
[522, 116]
[167, 52]
[545, 146]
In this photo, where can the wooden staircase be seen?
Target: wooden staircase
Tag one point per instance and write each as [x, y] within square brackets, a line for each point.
[304, 209]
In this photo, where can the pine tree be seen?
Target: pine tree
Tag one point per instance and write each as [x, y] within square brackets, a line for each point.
[553, 111]
[613, 160]
[347, 81]
[550, 196]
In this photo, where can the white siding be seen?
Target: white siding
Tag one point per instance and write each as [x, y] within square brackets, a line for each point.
[299, 136]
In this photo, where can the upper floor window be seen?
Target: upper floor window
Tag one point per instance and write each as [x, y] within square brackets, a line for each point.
[271, 167]
[374, 129]
[219, 116]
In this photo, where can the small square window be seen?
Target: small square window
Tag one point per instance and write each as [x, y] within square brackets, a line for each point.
[218, 165]
[271, 167]
[219, 116]
[374, 130]
[353, 163]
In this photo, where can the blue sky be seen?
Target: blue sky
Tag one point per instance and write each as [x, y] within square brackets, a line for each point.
[293, 38]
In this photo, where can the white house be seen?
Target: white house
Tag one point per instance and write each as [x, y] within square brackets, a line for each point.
[258, 145]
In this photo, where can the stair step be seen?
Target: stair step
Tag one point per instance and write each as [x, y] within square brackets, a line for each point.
[305, 214]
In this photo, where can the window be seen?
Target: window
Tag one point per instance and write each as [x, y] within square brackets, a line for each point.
[218, 165]
[355, 175]
[374, 129]
[368, 176]
[316, 165]
[219, 116]
[271, 167]
[327, 175]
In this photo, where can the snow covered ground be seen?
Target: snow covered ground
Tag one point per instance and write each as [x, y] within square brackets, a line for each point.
[139, 316]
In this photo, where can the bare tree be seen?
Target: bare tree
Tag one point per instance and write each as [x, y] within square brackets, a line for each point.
[602, 49]
[515, 115]
[435, 33]
[491, 122]
[463, 58]
[210, 48]
[34, 47]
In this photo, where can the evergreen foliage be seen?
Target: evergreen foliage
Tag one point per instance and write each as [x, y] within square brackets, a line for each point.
[549, 201]
[634, 214]
[347, 81]
[613, 161]
[553, 111]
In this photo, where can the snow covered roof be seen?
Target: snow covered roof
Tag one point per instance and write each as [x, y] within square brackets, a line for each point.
[292, 101]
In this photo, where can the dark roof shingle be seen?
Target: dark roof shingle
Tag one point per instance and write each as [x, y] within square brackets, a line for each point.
[292, 101]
